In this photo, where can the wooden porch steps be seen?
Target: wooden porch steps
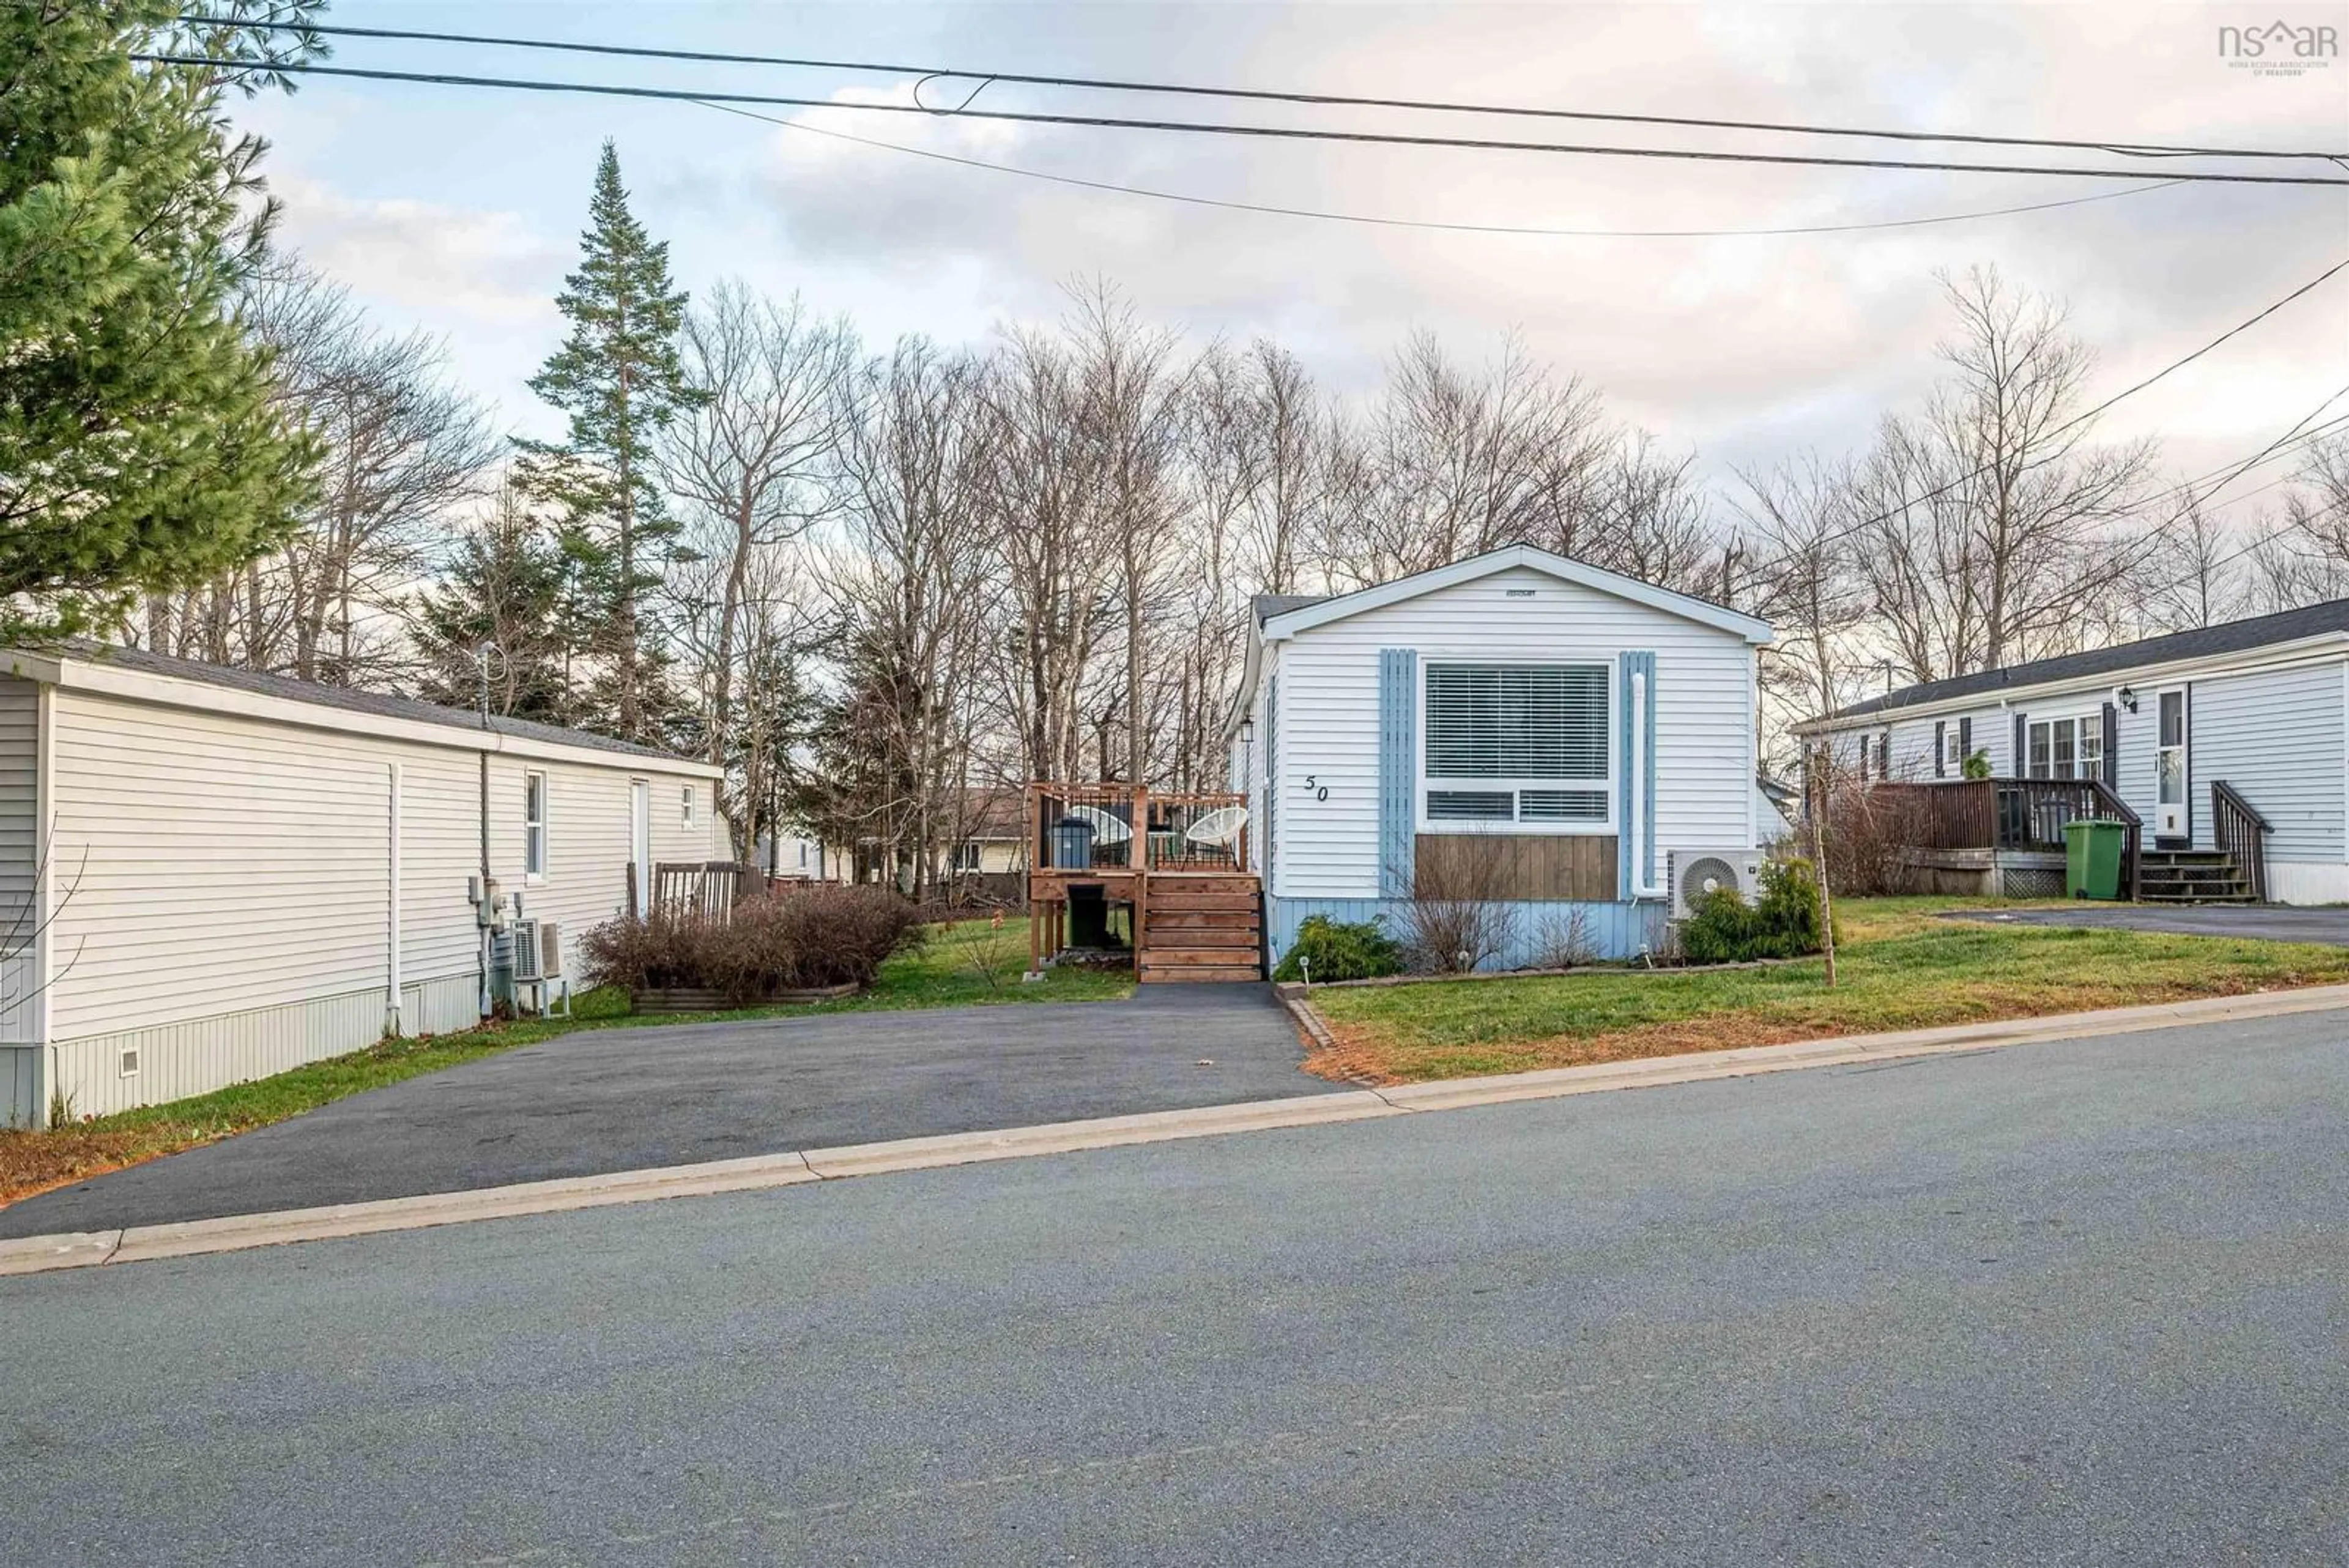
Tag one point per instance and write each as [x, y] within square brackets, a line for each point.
[1201, 927]
[2191, 877]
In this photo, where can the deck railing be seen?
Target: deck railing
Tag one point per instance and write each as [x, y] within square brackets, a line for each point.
[2021, 815]
[1136, 828]
[2237, 827]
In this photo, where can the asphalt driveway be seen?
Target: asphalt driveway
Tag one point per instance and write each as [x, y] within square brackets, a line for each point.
[623, 1099]
[2270, 922]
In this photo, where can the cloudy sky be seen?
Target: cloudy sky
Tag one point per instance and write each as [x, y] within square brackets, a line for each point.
[458, 208]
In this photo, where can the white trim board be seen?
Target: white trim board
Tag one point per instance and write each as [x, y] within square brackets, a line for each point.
[2257, 660]
[157, 689]
[1562, 567]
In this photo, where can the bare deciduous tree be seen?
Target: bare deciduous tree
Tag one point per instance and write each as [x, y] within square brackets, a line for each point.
[1999, 533]
[755, 458]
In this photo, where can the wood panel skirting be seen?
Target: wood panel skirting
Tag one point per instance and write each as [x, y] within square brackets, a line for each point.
[1515, 866]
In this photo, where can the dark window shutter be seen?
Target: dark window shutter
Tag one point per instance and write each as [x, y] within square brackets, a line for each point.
[2112, 749]
[1965, 742]
[1941, 748]
[2022, 754]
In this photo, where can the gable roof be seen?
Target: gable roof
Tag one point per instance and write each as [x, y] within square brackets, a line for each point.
[341, 699]
[1267, 606]
[2332, 617]
[1295, 618]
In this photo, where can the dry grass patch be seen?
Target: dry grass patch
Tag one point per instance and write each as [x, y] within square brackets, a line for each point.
[1902, 968]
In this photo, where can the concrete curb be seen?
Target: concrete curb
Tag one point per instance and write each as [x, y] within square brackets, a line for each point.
[78, 1250]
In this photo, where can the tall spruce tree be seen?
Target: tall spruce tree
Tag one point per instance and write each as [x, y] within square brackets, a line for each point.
[139, 447]
[619, 378]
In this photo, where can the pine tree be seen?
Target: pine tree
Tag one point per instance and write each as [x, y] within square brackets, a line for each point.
[506, 589]
[619, 378]
[139, 447]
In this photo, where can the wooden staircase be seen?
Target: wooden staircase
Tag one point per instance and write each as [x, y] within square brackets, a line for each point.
[1199, 927]
[2193, 876]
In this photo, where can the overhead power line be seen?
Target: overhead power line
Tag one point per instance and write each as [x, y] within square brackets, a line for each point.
[2079, 419]
[1431, 223]
[1216, 127]
[984, 78]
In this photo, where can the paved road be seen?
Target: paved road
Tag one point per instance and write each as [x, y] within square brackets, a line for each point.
[2272, 923]
[2065, 1304]
[621, 1099]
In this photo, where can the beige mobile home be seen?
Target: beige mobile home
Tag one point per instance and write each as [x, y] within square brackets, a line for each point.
[214, 875]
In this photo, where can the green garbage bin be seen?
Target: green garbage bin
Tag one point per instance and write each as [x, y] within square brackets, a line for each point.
[2092, 857]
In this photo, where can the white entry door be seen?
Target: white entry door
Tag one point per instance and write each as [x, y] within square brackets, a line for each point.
[640, 840]
[2169, 815]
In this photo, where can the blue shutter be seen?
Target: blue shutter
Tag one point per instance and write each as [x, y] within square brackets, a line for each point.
[1397, 768]
[1637, 861]
[1271, 781]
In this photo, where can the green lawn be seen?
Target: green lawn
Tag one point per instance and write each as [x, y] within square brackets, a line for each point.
[1900, 967]
[968, 963]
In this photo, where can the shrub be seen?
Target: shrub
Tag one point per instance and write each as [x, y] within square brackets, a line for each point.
[1460, 917]
[1783, 922]
[787, 941]
[1340, 949]
[1868, 827]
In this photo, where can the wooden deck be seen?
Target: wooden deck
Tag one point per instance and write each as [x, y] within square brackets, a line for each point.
[1196, 909]
[2009, 816]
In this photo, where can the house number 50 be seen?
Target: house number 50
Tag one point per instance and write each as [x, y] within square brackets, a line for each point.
[1317, 789]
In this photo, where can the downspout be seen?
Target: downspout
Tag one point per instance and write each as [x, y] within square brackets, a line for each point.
[1636, 810]
[481, 910]
[395, 1001]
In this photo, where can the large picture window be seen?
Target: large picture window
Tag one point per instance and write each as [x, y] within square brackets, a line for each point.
[1525, 743]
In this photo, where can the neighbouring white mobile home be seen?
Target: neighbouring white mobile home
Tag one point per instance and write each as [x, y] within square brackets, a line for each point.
[1578, 730]
[222, 875]
[2228, 743]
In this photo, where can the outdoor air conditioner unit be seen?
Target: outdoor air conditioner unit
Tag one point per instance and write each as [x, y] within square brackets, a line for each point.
[526, 952]
[1697, 872]
[550, 951]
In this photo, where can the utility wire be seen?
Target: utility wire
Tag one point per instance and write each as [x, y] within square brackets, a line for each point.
[2076, 420]
[1260, 95]
[1216, 127]
[1337, 217]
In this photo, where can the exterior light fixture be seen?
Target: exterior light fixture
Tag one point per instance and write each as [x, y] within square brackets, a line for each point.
[2126, 698]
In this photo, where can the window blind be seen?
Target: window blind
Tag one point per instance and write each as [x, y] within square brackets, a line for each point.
[1509, 726]
[1509, 721]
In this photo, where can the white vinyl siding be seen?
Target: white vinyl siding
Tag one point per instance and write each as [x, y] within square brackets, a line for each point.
[1328, 715]
[211, 863]
[20, 858]
[2276, 736]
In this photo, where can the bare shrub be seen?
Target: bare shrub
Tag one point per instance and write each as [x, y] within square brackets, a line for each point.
[792, 942]
[1564, 941]
[1867, 826]
[1458, 918]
